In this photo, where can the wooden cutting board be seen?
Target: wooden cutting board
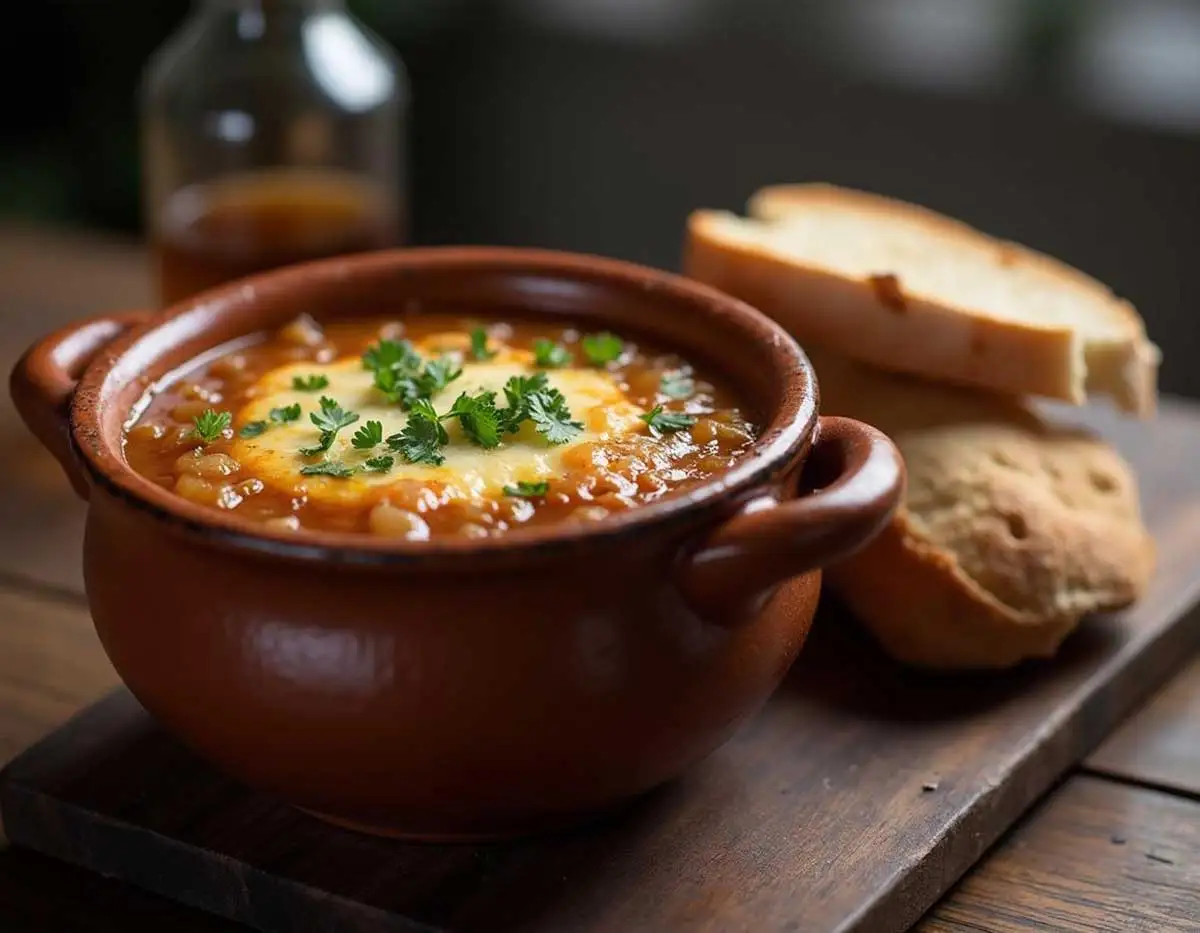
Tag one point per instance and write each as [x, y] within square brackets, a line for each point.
[851, 803]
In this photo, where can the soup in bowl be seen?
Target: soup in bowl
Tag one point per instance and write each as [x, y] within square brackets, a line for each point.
[437, 426]
[453, 543]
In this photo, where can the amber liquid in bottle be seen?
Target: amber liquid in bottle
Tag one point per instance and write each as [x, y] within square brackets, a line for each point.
[211, 233]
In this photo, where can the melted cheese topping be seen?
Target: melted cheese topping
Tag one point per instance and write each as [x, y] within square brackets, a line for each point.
[469, 471]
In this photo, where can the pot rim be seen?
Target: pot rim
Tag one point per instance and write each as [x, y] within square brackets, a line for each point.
[772, 455]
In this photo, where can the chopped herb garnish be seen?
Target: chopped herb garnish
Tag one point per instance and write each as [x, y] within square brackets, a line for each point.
[479, 345]
[379, 464]
[549, 413]
[664, 422]
[314, 382]
[391, 354]
[210, 425]
[437, 375]
[328, 468]
[286, 414]
[478, 417]
[368, 436]
[677, 384]
[332, 417]
[550, 355]
[423, 436]
[517, 392]
[403, 377]
[533, 398]
[321, 446]
[601, 349]
[277, 416]
[527, 490]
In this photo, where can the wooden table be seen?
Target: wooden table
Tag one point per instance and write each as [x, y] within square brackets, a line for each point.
[1116, 847]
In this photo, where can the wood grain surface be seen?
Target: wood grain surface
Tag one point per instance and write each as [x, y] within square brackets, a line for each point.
[48, 278]
[899, 767]
[51, 664]
[1159, 747]
[1097, 857]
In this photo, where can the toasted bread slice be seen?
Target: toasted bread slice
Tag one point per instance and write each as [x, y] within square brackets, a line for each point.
[1011, 531]
[909, 290]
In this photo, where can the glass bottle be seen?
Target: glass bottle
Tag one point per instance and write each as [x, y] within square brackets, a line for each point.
[273, 132]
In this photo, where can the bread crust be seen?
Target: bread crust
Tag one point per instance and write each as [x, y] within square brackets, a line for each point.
[877, 321]
[1013, 529]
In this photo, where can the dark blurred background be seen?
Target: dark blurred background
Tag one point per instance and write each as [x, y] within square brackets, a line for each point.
[1071, 125]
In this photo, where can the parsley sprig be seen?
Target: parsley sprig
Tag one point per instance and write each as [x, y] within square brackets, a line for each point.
[677, 384]
[329, 421]
[533, 398]
[549, 413]
[403, 376]
[479, 345]
[313, 382]
[478, 418]
[276, 416]
[333, 468]
[368, 436]
[527, 490]
[550, 355]
[601, 349]
[423, 436]
[666, 422]
[210, 425]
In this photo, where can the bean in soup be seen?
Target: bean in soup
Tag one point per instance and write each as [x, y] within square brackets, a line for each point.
[437, 427]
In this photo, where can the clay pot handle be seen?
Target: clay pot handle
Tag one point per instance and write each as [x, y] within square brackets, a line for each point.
[859, 478]
[44, 379]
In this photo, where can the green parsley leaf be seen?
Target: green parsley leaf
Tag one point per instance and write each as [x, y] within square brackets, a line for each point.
[368, 435]
[210, 425]
[527, 490]
[550, 355]
[311, 383]
[437, 375]
[479, 345]
[328, 468]
[420, 441]
[667, 421]
[323, 445]
[391, 354]
[549, 413]
[423, 408]
[332, 417]
[478, 417]
[379, 464]
[401, 377]
[395, 385]
[677, 384]
[602, 348]
[286, 414]
[423, 436]
[517, 391]
[277, 416]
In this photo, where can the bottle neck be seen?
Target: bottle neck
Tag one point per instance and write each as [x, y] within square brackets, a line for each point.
[267, 7]
[264, 20]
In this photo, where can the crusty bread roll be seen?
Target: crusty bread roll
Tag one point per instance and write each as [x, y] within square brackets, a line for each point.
[909, 290]
[1011, 531]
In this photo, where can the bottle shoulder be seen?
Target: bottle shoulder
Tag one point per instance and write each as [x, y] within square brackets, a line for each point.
[328, 55]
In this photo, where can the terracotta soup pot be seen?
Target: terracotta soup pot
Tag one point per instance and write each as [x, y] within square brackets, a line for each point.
[460, 688]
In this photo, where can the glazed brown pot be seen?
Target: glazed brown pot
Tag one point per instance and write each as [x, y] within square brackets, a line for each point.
[460, 689]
